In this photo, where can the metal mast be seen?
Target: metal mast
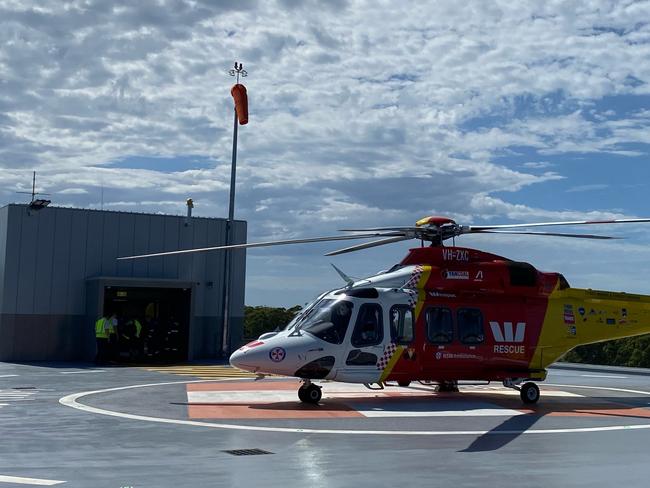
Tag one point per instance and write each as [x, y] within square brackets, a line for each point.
[237, 71]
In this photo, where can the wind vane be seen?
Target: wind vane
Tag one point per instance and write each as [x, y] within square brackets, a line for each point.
[238, 92]
[238, 70]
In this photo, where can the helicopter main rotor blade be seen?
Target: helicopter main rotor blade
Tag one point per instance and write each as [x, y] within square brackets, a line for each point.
[367, 245]
[553, 234]
[381, 229]
[479, 228]
[267, 244]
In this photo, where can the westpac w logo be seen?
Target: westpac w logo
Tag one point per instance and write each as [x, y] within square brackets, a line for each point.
[506, 333]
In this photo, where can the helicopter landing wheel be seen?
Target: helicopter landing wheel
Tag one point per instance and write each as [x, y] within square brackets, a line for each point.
[404, 383]
[310, 393]
[450, 386]
[529, 393]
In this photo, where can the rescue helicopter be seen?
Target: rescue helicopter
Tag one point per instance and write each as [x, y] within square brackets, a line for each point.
[443, 314]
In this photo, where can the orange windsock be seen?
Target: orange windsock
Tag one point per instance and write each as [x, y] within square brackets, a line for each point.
[238, 92]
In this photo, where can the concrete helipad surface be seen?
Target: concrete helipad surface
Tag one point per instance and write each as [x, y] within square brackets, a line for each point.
[77, 425]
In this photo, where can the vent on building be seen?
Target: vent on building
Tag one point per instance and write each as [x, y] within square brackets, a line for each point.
[247, 452]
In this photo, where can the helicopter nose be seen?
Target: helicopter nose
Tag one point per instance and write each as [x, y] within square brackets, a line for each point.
[248, 357]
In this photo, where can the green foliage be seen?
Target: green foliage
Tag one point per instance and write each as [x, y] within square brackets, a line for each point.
[631, 351]
[258, 320]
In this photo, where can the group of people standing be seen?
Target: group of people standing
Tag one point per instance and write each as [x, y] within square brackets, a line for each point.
[116, 337]
[120, 338]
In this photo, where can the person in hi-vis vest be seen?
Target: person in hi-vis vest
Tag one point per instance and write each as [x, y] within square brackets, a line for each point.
[105, 330]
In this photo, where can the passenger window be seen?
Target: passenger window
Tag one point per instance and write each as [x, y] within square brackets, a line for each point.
[369, 329]
[440, 325]
[470, 326]
[401, 324]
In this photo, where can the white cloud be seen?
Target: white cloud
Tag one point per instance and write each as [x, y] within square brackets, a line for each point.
[581, 188]
[361, 113]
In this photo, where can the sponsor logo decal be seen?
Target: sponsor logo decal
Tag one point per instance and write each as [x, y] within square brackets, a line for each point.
[479, 276]
[509, 349]
[452, 355]
[441, 295]
[569, 316]
[277, 354]
[507, 333]
[457, 275]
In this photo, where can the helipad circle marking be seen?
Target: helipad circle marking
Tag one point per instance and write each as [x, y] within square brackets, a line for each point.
[71, 401]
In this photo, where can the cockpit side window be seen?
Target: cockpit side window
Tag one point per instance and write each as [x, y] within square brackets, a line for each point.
[401, 324]
[369, 329]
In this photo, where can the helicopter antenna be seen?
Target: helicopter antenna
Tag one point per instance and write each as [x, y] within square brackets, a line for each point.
[345, 277]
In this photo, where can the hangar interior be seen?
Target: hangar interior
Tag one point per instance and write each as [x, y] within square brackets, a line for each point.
[59, 273]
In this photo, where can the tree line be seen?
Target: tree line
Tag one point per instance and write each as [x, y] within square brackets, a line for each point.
[632, 351]
[258, 320]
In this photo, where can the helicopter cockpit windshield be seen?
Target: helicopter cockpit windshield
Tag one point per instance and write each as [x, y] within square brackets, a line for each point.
[305, 312]
[328, 320]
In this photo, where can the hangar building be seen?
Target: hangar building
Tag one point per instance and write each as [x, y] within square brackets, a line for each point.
[59, 273]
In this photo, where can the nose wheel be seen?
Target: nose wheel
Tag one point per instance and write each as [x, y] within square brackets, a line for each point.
[310, 393]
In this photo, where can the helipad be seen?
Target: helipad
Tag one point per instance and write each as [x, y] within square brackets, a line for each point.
[272, 406]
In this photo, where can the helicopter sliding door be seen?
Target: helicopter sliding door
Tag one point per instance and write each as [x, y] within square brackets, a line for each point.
[365, 347]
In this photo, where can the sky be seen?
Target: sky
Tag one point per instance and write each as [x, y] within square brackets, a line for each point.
[361, 113]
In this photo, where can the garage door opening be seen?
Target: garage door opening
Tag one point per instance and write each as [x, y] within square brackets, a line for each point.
[163, 316]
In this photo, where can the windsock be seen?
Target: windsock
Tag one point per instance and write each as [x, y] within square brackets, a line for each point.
[238, 92]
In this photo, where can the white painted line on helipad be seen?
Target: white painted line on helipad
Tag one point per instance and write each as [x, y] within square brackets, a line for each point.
[622, 390]
[71, 401]
[82, 371]
[604, 376]
[29, 481]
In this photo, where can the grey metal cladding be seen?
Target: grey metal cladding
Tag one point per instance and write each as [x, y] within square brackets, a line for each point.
[12, 262]
[141, 244]
[200, 233]
[4, 218]
[61, 262]
[156, 237]
[79, 246]
[170, 243]
[44, 257]
[110, 240]
[95, 244]
[125, 235]
[27, 277]
[186, 241]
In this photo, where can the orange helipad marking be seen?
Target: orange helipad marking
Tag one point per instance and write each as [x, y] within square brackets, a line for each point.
[245, 386]
[261, 408]
[296, 410]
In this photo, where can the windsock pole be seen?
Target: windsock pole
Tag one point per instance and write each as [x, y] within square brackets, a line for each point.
[225, 331]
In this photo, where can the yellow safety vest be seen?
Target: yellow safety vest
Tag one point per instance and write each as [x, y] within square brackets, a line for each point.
[100, 331]
[138, 328]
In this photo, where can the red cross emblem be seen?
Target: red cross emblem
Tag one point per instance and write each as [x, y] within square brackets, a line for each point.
[277, 354]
